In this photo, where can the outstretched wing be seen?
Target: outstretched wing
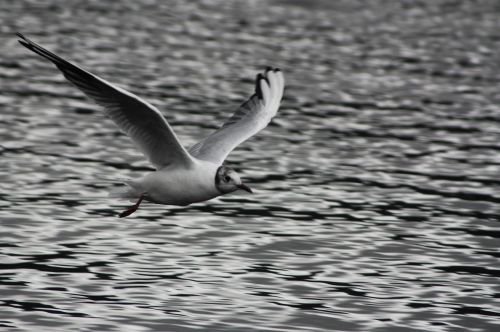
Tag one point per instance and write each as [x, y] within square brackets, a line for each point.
[137, 118]
[251, 117]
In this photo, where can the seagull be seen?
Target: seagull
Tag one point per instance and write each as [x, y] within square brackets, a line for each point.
[182, 176]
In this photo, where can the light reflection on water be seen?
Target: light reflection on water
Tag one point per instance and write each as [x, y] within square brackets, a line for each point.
[376, 201]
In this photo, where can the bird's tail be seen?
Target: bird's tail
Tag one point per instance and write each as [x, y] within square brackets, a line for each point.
[127, 190]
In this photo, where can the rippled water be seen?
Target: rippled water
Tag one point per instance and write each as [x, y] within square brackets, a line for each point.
[376, 204]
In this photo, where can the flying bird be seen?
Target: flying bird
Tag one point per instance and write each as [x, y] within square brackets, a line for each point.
[182, 176]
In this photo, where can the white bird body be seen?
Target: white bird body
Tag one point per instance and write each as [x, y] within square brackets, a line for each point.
[182, 176]
[197, 184]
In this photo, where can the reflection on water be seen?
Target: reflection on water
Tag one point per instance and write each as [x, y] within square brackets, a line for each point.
[376, 204]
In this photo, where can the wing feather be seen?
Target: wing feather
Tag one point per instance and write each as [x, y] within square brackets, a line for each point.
[251, 117]
[138, 119]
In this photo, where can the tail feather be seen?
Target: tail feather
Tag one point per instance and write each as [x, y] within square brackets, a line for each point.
[125, 191]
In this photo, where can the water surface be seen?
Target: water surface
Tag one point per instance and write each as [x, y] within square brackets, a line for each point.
[376, 204]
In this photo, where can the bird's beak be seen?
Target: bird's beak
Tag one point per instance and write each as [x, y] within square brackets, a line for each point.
[245, 187]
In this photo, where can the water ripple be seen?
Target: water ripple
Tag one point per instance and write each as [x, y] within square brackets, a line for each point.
[377, 212]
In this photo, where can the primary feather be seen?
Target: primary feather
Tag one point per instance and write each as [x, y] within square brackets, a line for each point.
[251, 117]
[137, 118]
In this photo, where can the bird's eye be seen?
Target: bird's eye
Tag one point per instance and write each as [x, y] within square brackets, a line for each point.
[227, 178]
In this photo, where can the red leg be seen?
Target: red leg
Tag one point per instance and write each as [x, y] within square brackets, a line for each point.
[131, 209]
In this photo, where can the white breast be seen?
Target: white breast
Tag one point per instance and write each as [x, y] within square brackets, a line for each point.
[181, 186]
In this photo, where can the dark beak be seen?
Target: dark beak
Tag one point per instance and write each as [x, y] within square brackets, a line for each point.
[245, 187]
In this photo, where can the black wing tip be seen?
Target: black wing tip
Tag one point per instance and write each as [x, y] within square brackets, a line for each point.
[34, 47]
[263, 76]
[258, 90]
[20, 35]
[273, 69]
[26, 42]
[23, 41]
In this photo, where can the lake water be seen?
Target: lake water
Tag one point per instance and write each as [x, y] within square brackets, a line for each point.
[376, 204]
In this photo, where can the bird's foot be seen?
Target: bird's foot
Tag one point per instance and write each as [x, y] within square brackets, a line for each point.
[131, 209]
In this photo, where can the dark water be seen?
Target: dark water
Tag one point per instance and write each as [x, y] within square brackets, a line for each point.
[376, 205]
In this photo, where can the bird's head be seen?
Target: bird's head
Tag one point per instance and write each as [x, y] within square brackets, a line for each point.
[227, 180]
